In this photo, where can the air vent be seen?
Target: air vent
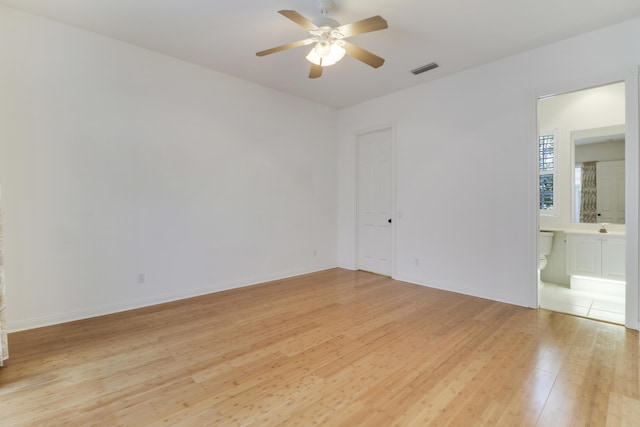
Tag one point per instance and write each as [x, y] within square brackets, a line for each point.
[424, 68]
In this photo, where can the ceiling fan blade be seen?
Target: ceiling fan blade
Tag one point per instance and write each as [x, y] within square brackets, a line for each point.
[363, 55]
[315, 72]
[284, 47]
[368, 25]
[298, 19]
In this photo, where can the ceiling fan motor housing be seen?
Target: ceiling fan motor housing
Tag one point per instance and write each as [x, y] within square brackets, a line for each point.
[323, 21]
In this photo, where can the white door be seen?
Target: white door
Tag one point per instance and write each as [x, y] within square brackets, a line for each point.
[375, 202]
[610, 191]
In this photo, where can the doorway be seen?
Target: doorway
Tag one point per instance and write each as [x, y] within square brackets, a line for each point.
[581, 137]
[375, 201]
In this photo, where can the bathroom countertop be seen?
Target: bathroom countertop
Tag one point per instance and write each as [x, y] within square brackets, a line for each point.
[609, 233]
[583, 228]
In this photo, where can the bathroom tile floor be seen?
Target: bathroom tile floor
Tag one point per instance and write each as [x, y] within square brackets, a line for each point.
[594, 306]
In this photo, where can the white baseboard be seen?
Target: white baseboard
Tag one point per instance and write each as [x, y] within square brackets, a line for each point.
[95, 311]
[464, 290]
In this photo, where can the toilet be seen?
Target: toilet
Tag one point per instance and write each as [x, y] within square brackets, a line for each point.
[545, 243]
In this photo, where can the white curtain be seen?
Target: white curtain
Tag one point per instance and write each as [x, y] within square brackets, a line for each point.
[4, 350]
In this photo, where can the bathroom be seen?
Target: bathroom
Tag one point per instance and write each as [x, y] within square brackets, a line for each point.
[582, 201]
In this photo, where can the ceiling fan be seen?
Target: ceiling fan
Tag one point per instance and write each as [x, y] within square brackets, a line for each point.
[329, 38]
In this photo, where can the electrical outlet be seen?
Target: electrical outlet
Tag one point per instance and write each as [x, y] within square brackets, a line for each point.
[140, 278]
[315, 252]
[417, 262]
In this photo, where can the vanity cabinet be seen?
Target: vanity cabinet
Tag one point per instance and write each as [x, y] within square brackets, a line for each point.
[596, 255]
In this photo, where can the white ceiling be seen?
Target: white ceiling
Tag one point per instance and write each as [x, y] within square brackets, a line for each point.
[224, 35]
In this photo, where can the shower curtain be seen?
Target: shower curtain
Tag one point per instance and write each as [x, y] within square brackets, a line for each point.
[588, 194]
[4, 350]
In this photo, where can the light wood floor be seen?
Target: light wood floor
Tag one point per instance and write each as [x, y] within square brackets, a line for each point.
[331, 348]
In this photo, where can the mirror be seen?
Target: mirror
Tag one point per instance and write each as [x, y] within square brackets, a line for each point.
[598, 192]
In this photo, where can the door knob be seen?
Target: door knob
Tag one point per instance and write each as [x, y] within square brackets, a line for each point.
[389, 221]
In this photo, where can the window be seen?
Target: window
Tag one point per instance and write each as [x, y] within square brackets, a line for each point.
[578, 192]
[547, 161]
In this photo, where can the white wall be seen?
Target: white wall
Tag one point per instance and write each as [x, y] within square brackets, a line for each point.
[116, 161]
[602, 151]
[466, 164]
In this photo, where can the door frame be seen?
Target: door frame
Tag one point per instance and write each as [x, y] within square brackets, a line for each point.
[356, 134]
[632, 193]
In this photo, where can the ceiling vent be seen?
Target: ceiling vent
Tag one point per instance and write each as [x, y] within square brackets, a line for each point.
[424, 68]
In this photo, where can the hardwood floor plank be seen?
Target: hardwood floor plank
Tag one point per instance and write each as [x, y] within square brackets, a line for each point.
[335, 347]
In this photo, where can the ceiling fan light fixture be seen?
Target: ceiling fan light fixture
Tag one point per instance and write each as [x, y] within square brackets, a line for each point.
[325, 54]
[323, 49]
